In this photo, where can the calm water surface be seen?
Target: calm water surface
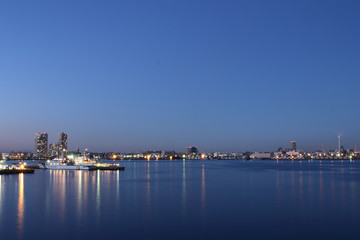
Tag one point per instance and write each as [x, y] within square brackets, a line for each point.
[185, 199]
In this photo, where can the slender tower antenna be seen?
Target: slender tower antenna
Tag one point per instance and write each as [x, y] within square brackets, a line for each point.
[339, 137]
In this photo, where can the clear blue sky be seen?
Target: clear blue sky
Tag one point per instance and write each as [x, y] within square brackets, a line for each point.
[139, 75]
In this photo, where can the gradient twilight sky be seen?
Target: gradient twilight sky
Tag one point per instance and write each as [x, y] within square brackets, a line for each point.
[221, 75]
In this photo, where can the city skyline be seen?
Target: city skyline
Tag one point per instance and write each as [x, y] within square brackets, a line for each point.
[51, 148]
[129, 76]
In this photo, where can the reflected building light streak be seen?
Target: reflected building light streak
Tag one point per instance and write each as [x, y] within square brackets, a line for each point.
[98, 198]
[58, 188]
[79, 197]
[184, 187]
[1, 197]
[2, 189]
[20, 207]
[62, 183]
[47, 196]
[148, 191]
[148, 172]
[203, 188]
[86, 176]
[134, 170]
[117, 189]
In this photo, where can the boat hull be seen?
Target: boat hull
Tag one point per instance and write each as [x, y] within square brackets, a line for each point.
[16, 171]
[67, 167]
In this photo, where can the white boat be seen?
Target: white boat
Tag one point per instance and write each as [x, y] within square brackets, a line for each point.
[82, 160]
[3, 165]
[61, 164]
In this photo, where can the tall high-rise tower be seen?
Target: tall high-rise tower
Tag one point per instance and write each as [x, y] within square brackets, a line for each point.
[54, 150]
[293, 146]
[63, 144]
[41, 145]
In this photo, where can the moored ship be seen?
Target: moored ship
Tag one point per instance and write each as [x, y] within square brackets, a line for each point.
[62, 164]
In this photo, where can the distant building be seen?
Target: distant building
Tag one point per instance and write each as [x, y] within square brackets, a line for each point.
[279, 154]
[41, 146]
[342, 149]
[5, 156]
[192, 150]
[262, 155]
[293, 146]
[292, 153]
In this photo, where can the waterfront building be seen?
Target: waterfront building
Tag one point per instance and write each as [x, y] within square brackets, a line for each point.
[342, 149]
[262, 155]
[293, 146]
[54, 150]
[292, 154]
[192, 153]
[63, 144]
[5, 156]
[19, 156]
[192, 150]
[278, 154]
[41, 146]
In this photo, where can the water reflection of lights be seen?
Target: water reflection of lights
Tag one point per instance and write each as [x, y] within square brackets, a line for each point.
[58, 189]
[84, 196]
[203, 190]
[1, 196]
[117, 189]
[20, 207]
[321, 188]
[98, 198]
[184, 186]
[79, 197]
[148, 189]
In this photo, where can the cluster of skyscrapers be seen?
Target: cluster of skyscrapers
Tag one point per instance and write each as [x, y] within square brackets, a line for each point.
[43, 151]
